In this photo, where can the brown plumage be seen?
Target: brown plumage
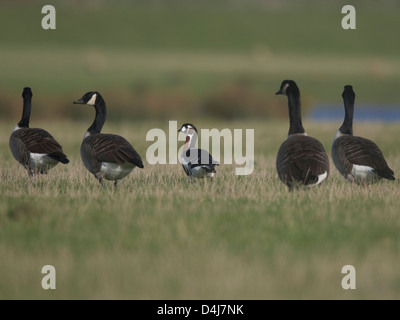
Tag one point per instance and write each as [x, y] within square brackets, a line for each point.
[301, 160]
[107, 156]
[99, 148]
[33, 140]
[349, 150]
[358, 159]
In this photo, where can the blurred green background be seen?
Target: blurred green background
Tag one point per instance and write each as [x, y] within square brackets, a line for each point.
[181, 60]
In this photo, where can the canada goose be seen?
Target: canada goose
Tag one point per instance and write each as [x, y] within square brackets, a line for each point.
[301, 160]
[34, 148]
[357, 159]
[197, 163]
[106, 156]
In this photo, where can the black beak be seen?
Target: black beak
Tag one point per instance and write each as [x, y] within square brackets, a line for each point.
[279, 92]
[78, 102]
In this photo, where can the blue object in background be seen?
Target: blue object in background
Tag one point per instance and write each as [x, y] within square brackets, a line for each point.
[380, 113]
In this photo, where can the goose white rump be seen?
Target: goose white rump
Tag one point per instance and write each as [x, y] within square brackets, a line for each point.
[362, 174]
[41, 161]
[115, 171]
[321, 178]
[299, 184]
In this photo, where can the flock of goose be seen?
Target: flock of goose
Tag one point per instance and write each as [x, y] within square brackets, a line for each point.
[301, 161]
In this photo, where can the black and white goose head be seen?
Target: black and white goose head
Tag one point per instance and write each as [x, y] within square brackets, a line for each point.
[93, 98]
[288, 87]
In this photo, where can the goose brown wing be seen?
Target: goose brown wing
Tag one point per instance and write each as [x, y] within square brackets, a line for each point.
[40, 141]
[302, 158]
[111, 148]
[361, 151]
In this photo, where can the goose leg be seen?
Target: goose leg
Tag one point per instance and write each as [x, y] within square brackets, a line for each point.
[29, 171]
[115, 184]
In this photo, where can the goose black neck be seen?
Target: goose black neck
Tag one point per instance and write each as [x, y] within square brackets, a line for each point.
[294, 102]
[100, 117]
[347, 126]
[26, 113]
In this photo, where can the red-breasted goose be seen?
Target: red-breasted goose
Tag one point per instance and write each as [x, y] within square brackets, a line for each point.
[106, 156]
[302, 160]
[357, 159]
[197, 163]
[34, 148]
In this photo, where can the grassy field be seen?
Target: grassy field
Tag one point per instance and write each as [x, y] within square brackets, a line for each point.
[158, 237]
[216, 63]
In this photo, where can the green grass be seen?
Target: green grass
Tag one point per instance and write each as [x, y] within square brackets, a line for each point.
[158, 237]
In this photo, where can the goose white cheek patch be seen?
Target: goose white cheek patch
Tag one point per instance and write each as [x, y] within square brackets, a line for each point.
[285, 88]
[92, 101]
